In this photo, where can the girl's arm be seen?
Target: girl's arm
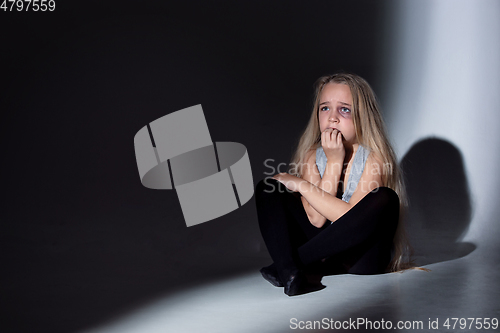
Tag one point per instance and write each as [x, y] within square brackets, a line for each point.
[333, 208]
[329, 183]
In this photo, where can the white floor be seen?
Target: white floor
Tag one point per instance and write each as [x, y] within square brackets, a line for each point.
[461, 288]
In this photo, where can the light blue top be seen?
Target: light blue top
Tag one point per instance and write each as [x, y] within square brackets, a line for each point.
[358, 165]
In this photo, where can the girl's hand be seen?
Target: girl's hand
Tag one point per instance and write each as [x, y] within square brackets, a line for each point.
[291, 182]
[331, 141]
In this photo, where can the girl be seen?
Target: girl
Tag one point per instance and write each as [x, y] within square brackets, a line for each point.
[340, 201]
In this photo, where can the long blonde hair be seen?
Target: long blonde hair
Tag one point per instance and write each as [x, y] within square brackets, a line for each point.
[371, 133]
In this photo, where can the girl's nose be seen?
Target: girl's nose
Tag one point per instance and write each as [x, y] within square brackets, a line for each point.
[333, 116]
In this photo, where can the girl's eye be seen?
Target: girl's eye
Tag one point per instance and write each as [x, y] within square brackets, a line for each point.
[324, 108]
[345, 110]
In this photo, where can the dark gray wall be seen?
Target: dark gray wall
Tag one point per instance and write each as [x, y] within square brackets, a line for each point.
[81, 239]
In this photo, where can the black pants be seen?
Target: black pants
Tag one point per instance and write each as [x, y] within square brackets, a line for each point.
[359, 242]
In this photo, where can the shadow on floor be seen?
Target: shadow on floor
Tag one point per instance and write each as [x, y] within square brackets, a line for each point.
[439, 212]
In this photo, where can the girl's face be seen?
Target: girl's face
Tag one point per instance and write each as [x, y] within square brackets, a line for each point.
[335, 110]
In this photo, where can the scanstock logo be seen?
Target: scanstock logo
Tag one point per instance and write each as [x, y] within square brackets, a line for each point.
[176, 152]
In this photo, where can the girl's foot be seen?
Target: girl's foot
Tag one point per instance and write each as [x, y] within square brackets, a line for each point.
[271, 275]
[297, 284]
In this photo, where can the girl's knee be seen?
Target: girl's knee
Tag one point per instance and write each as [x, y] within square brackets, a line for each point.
[381, 204]
[385, 196]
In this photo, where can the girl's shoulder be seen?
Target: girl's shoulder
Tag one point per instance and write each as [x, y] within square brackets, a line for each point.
[313, 151]
[375, 166]
[310, 156]
[373, 157]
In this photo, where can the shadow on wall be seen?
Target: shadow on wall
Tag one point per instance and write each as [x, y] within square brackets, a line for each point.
[439, 210]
